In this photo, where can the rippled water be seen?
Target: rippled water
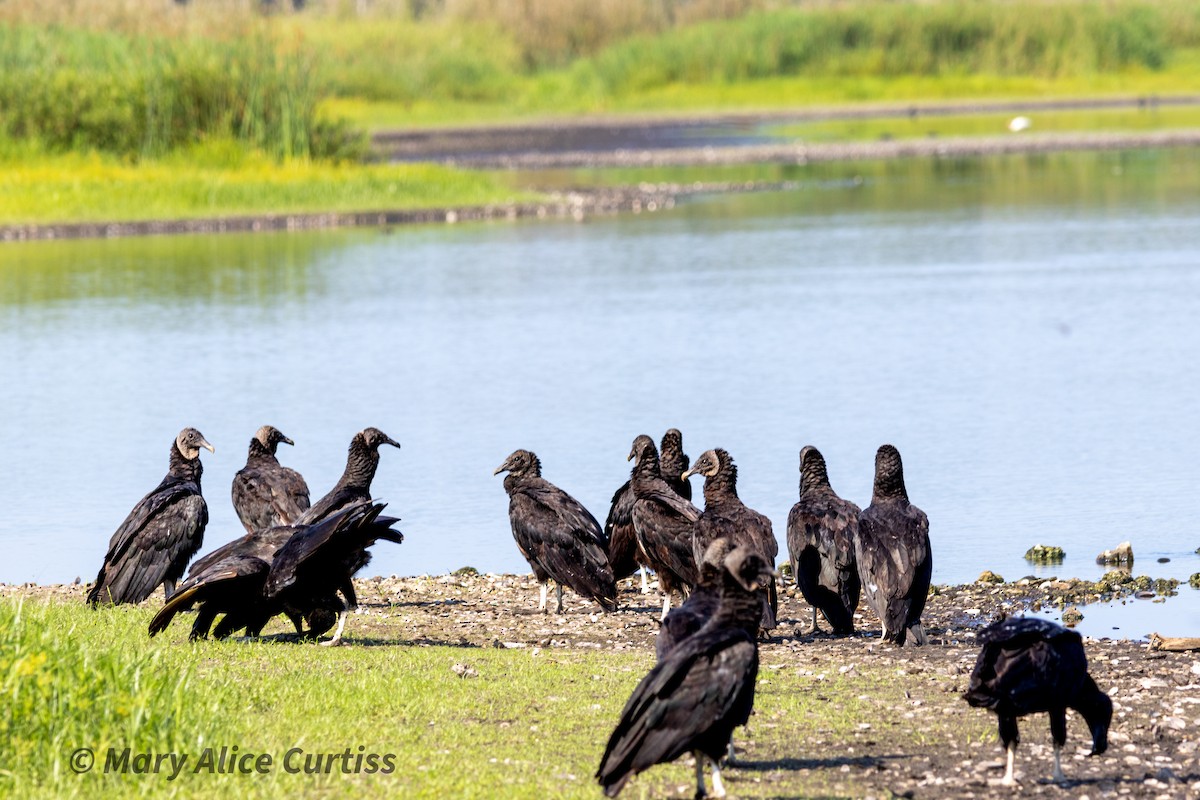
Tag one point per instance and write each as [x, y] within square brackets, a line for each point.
[1024, 329]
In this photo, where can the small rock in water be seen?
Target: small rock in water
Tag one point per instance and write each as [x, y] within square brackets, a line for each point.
[1194, 581]
[1121, 554]
[1045, 554]
[989, 577]
[1164, 560]
[1072, 617]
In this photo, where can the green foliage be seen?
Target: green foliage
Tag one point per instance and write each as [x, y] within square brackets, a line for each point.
[75, 89]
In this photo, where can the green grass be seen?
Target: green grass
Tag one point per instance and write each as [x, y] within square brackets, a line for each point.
[533, 723]
[212, 181]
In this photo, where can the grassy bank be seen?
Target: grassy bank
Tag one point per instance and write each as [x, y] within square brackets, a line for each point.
[529, 723]
[218, 181]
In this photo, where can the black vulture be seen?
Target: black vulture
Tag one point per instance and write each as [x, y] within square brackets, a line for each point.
[267, 494]
[161, 534]
[894, 558]
[693, 699]
[623, 552]
[296, 570]
[1031, 665]
[355, 484]
[559, 538]
[318, 561]
[821, 531]
[726, 516]
[700, 605]
[663, 522]
[673, 462]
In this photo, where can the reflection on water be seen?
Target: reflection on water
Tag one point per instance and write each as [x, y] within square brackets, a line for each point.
[1136, 618]
[1023, 329]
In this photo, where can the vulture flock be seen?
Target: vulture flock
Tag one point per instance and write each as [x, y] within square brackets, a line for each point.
[297, 558]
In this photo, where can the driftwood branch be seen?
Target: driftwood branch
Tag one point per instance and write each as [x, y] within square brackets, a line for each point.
[1173, 643]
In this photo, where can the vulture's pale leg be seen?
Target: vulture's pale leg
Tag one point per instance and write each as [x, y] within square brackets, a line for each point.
[558, 588]
[543, 589]
[1058, 773]
[718, 786]
[645, 581]
[814, 628]
[666, 605]
[337, 635]
[1008, 779]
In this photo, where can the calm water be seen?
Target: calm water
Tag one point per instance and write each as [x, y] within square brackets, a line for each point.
[1025, 330]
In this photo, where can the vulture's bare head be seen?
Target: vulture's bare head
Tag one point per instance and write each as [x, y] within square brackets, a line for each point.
[189, 441]
[749, 569]
[271, 437]
[709, 464]
[521, 464]
[373, 438]
[640, 445]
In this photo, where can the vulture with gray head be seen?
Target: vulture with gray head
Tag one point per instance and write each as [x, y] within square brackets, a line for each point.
[895, 562]
[355, 484]
[692, 700]
[353, 488]
[727, 517]
[153, 545]
[1029, 665]
[559, 538]
[267, 494]
[821, 531]
[662, 521]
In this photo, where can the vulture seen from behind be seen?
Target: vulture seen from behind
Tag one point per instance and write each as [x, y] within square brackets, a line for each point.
[895, 562]
[821, 531]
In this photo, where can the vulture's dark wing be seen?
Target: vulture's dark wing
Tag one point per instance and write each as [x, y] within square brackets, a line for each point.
[821, 533]
[554, 530]
[165, 528]
[895, 562]
[269, 495]
[665, 524]
[324, 549]
[227, 585]
[699, 694]
[1027, 665]
[687, 619]
[618, 530]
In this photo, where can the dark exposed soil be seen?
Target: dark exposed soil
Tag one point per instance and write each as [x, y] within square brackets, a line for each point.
[918, 751]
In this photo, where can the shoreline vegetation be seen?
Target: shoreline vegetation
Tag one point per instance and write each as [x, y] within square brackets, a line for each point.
[477, 695]
[151, 111]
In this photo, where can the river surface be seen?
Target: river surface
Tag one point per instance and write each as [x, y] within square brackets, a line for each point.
[1024, 329]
